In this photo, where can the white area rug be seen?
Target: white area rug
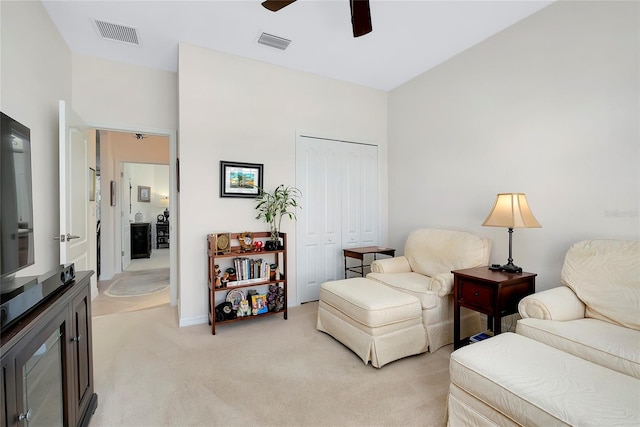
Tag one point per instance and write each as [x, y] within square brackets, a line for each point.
[140, 283]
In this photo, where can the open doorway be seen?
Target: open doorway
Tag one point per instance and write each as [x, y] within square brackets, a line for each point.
[146, 234]
[136, 253]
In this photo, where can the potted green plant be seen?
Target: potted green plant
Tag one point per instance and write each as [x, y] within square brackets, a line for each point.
[273, 206]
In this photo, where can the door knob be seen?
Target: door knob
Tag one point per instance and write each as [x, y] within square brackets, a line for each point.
[25, 417]
[64, 238]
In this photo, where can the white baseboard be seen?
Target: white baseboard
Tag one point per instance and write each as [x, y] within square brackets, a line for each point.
[190, 321]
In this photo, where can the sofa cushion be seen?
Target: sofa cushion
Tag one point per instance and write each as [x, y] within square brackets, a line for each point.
[605, 275]
[411, 283]
[604, 343]
[432, 251]
[534, 384]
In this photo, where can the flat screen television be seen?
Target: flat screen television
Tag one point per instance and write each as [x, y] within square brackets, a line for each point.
[16, 202]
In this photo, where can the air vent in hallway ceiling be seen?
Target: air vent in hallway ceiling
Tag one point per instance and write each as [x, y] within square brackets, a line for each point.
[274, 41]
[117, 32]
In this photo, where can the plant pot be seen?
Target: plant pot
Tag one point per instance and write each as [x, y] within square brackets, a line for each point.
[271, 245]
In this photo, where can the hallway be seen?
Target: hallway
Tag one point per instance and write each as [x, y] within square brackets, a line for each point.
[104, 305]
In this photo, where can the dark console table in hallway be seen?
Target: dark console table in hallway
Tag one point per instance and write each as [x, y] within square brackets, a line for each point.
[140, 240]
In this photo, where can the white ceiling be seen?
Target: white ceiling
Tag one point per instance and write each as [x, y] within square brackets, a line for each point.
[408, 38]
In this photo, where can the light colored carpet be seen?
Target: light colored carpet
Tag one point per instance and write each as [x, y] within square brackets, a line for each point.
[103, 304]
[159, 259]
[269, 371]
[139, 283]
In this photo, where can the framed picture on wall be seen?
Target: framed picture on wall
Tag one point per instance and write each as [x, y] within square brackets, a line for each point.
[144, 194]
[240, 179]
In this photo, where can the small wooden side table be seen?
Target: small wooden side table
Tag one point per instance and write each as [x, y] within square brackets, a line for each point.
[494, 293]
[359, 253]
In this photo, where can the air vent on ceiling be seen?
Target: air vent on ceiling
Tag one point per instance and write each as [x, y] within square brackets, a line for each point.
[117, 32]
[274, 41]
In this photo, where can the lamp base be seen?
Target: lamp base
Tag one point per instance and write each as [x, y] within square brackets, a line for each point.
[507, 268]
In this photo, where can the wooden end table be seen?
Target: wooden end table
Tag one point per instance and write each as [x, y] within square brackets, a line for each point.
[494, 293]
[359, 253]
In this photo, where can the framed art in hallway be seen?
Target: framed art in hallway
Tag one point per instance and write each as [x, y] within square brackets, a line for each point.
[144, 194]
[240, 179]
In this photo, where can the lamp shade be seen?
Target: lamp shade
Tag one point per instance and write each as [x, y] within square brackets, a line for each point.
[511, 210]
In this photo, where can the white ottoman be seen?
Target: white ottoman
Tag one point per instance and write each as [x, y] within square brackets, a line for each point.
[377, 323]
[511, 380]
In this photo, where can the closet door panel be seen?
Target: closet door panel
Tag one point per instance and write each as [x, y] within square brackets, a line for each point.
[369, 196]
[309, 163]
[318, 237]
[334, 163]
[351, 195]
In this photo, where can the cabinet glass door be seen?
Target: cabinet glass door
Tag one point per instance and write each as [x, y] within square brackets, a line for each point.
[42, 385]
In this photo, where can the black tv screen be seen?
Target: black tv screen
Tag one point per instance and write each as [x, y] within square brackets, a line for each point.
[16, 203]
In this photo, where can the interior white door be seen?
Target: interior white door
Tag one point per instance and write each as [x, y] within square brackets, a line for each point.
[124, 216]
[369, 196]
[360, 213]
[338, 181]
[318, 172]
[74, 189]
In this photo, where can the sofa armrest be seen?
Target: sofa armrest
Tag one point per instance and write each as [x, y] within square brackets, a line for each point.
[391, 265]
[442, 284]
[559, 303]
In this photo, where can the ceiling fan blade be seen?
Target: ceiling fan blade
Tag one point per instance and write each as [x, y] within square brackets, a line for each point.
[276, 5]
[360, 17]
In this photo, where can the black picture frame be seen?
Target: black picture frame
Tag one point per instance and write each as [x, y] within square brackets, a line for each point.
[242, 180]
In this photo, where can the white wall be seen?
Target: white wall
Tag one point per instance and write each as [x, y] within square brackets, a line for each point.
[116, 95]
[548, 107]
[35, 72]
[237, 109]
[156, 177]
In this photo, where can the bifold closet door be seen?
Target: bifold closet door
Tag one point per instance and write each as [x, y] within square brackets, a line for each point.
[338, 181]
[360, 213]
[318, 174]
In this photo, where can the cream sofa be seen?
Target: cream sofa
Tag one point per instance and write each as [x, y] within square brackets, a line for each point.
[424, 271]
[595, 315]
[575, 357]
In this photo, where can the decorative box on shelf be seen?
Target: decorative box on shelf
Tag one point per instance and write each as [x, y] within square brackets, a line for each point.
[242, 263]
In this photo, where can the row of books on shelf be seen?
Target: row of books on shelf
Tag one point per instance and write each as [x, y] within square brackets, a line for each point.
[251, 269]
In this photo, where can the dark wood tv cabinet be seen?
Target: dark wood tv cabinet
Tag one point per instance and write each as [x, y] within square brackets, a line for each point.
[53, 345]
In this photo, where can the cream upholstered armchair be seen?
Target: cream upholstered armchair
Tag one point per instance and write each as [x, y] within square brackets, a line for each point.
[424, 271]
[595, 313]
